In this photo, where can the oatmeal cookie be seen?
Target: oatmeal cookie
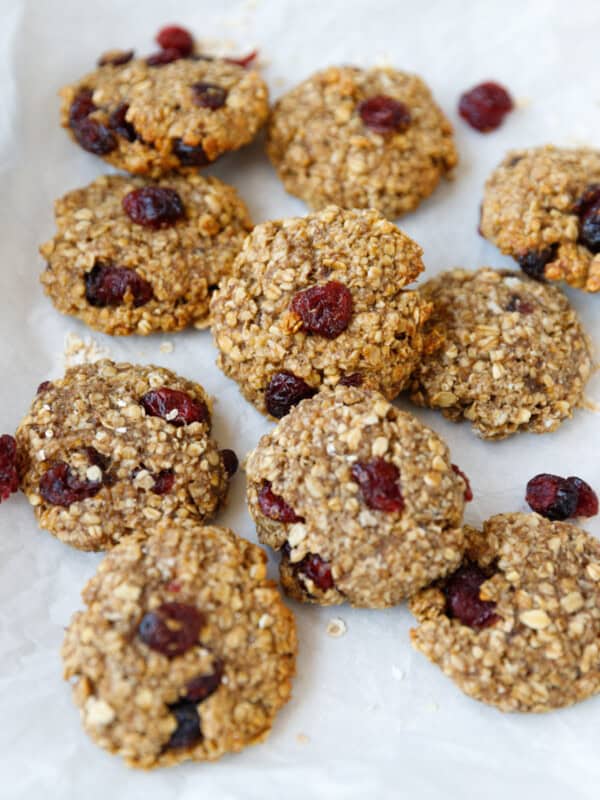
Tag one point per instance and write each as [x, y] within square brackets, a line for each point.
[360, 498]
[137, 256]
[319, 299]
[113, 448]
[542, 207]
[185, 650]
[359, 138]
[151, 118]
[515, 356]
[518, 626]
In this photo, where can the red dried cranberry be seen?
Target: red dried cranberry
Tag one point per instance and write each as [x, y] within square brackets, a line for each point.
[115, 59]
[81, 107]
[164, 57]
[325, 309]
[59, 486]
[588, 210]
[188, 731]
[533, 263]
[43, 387]
[230, 462]
[468, 491]
[209, 95]
[383, 114]
[284, 391]
[517, 303]
[485, 106]
[198, 689]
[317, 570]
[462, 597]
[163, 483]
[244, 61]
[174, 406]
[106, 285]
[274, 506]
[94, 137]
[356, 379]
[96, 458]
[9, 477]
[176, 38]
[171, 629]
[117, 122]
[190, 155]
[153, 206]
[551, 496]
[379, 483]
[587, 500]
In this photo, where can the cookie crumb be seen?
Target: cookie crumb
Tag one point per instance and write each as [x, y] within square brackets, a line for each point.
[167, 347]
[302, 738]
[83, 351]
[336, 627]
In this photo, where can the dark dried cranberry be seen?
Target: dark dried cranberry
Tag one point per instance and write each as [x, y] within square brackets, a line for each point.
[176, 38]
[116, 58]
[94, 137]
[468, 491]
[43, 387]
[356, 379]
[587, 500]
[533, 262]
[485, 106]
[274, 506]
[106, 285]
[284, 391]
[317, 570]
[462, 597]
[551, 496]
[59, 486]
[118, 123]
[171, 629]
[190, 155]
[230, 462]
[517, 303]
[379, 483]
[81, 107]
[176, 407]
[188, 731]
[325, 310]
[164, 57]
[198, 689]
[96, 458]
[244, 61]
[383, 114]
[588, 210]
[209, 95]
[163, 483]
[153, 206]
[9, 477]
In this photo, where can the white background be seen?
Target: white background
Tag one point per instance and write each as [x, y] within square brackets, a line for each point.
[379, 720]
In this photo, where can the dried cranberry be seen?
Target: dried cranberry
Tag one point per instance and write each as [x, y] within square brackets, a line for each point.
[284, 391]
[383, 114]
[176, 407]
[115, 58]
[81, 107]
[198, 689]
[379, 483]
[533, 263]
[517, 303]
[171, 629]
[551, 496]
[9, 477]
[317, 570]
[325, 310]
[106, 285]
[468, 492]
[94, 137]
[588, 210]
[43, 387]
[356, 379]
[587, 500]
[462, 597]
[163, 483]
[96, 458]
[485, 106]
[176, 38]
[164, 57]
[153, 206]
[230, 462]
[188, 731]
[244, 61]
[117, 122]
[274, 506]
[59, 486]
[190, 155]
[209, 95]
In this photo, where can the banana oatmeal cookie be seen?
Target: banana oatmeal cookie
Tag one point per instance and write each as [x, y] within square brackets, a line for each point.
[542, 207]
[185, 650]
[515, 356]
[359, 138]
[316, 300]
[114, 448]
[360, 498]
[137, 256]
[518, 625]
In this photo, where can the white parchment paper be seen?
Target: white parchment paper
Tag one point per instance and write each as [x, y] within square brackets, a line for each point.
[369, 717]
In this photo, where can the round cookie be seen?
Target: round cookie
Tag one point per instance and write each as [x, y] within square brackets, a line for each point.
[113, 448]
[136, 256]
[359, 138]
[185, 650]
[514, 355]
[150, 119]
[542, 207]
[526, 635]
[360, 498]
[319, 299]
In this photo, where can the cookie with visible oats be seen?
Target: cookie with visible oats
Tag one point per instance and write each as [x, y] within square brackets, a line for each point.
[137, 256]
[514, 357]
[542, 207]
[360, 138]
[114, 448]
[360, 499]
[518, 625]
[185, 650]
[316, 300]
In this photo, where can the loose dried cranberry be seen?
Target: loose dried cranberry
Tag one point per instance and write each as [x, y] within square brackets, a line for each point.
[106, 285]
[274, 506]
[468, 491]
[551, 496]
[198, 689]
[284, 391]
[587, 500]
[190, 155]
[188, 731]
[533, 262]
[588, 210]
[244, 61]
[356, 379]
[163, 483]
[59, 486]
[317, 570]
[230, 462]
[462, 597]
[176, 38]
[383, 114]
[164, 57]
[171, 629]
[118, 123]
[485, 106]
[325, 309]
[174, 406]
[81, 107]
[209, 95]
[9, 477]
[94, 137]
[153, 206]
[115, 59]
[43, 387]
[517, 303]
[379, 483]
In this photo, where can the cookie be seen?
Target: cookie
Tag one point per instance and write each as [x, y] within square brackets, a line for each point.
[114, 448]
[185, 650]
[317, 300]
[514, 358]
[518, 626]
[542, 207]
[360, 499]
[150, 118]
[137, 256]
[359, 138]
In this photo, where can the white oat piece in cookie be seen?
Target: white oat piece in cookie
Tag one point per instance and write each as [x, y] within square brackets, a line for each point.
[360, 138]
[316, 300]
[185, 650]
[518, 625]
[360, 499]
[514, 356]
[136, 256]
[114, 448]
[542, 207]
